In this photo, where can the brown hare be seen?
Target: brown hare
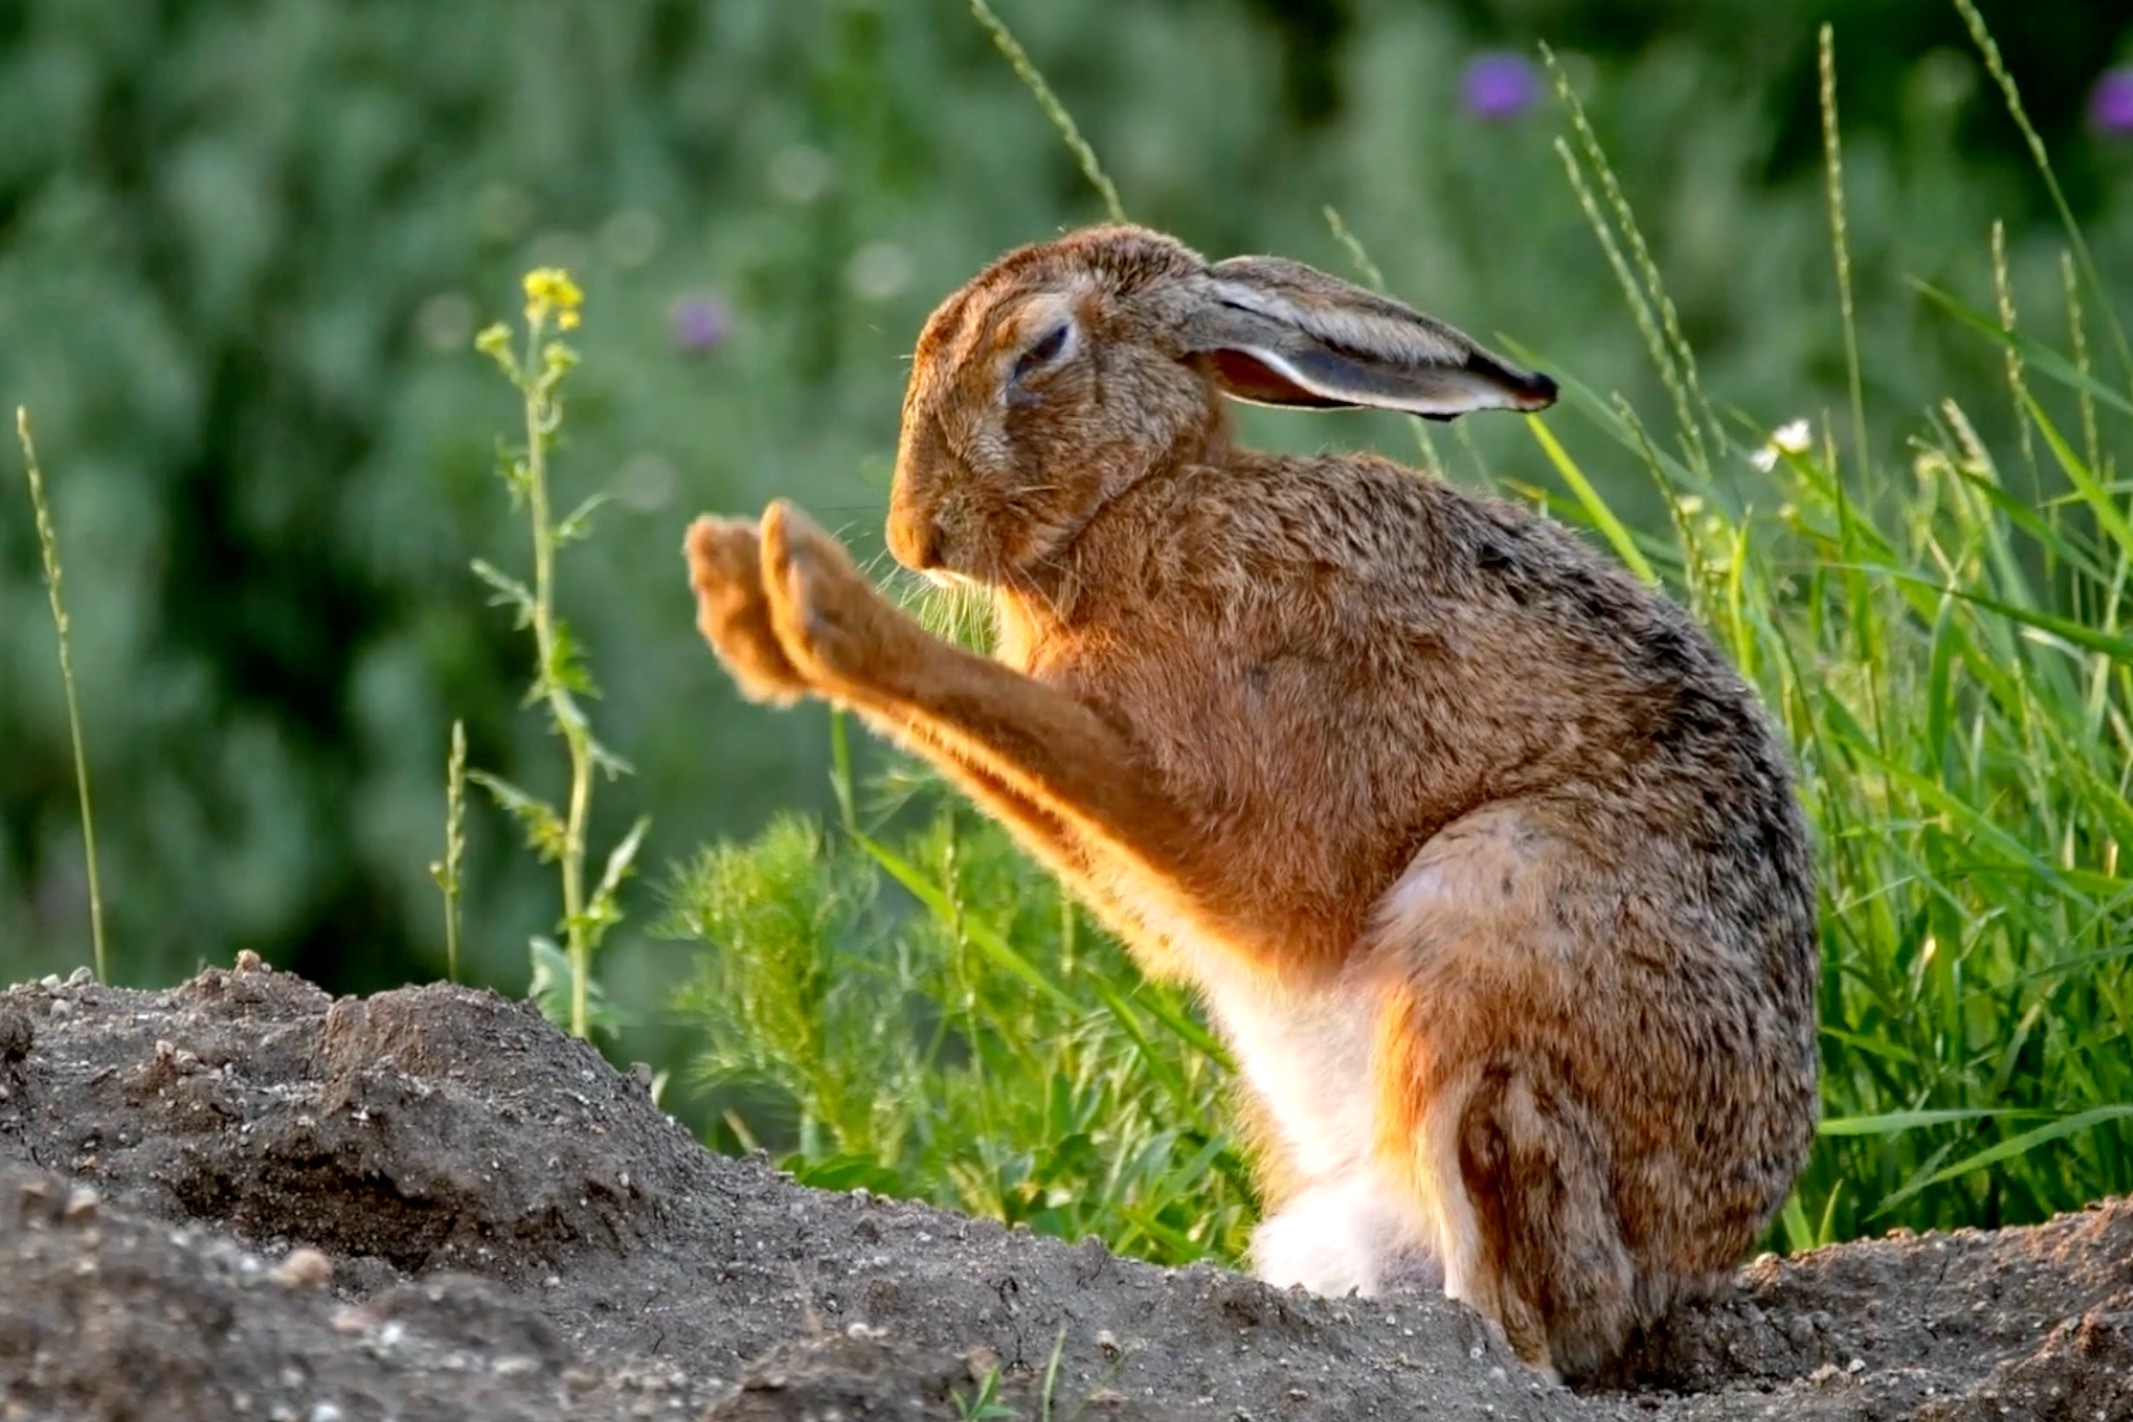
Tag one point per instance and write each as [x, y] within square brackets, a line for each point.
[1484, 862]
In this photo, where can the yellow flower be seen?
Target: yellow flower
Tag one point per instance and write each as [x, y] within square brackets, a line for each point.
[551, 289]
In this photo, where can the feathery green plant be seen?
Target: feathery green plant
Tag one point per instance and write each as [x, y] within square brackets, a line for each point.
[562, 978]
[928, 1018]
[54, 581]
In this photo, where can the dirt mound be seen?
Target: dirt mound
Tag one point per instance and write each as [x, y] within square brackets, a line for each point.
[243, 1198]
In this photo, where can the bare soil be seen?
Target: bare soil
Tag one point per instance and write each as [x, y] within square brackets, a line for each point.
[243, 1198]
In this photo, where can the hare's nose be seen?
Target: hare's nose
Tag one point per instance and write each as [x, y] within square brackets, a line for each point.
[914, 540]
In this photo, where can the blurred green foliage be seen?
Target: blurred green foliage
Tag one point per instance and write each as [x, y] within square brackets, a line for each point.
[244, 248]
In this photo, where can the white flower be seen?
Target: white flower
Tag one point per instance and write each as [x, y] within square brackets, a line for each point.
[1792, 437]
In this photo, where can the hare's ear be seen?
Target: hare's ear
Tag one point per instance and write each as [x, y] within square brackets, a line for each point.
[1277, 332]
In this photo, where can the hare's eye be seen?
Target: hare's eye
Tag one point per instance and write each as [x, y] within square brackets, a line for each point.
[1044, 352]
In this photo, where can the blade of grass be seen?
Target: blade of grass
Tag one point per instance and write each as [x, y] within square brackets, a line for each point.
[1840, 246]
[2012, 1148]
[1893, 1122]
[2035, 354]
[2109, 517]
[982, 935]
[54, 580]
[1997, 67]
[1611, 527]
[1033, 79]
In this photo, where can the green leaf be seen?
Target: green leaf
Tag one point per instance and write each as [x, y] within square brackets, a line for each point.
[606, 759]
[1894, 1122]
[2010, 1149]
[566, 665]
[578, 523]
[543, 826]
[510, 592]
[549, 990]
[620, 860]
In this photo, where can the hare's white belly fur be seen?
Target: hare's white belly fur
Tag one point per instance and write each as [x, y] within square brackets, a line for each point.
[1350, 1228]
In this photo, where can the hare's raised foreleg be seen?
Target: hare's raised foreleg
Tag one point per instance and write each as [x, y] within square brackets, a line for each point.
[732, 612]
[856, 647]
[790, 615]
[726, 572]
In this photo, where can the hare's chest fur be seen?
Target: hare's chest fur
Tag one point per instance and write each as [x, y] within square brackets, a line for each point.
[1345, 1227]
[1305, 1055]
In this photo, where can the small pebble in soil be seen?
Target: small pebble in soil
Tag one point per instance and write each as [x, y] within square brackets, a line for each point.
[81, 1205]
[303, 1268]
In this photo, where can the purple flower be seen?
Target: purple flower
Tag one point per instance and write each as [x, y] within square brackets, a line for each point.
[1498, 86]
[2111, 102]
[698, 323]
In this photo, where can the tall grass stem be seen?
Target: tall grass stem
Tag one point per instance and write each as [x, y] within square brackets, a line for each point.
[1989, 49]
[54, 581]
[1839, 239]
[455, 844]
[1033, 79]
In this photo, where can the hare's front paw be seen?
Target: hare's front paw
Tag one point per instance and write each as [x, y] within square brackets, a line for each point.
[833, 624]
[726, 570]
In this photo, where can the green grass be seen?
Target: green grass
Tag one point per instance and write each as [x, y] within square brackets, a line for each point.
[1949, 662]
[929, 1018]
[55, 590]
[1941, 636]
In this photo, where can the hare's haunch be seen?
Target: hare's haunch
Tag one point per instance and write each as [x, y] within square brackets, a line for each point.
[1485, 863]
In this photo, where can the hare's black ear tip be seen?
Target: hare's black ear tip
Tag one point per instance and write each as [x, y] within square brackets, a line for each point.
[1536, 392]
[1513, 387]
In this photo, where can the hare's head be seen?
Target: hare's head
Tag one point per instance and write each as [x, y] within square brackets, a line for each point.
[1067, 370]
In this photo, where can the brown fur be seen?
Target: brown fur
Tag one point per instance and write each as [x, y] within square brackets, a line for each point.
[1335, 741]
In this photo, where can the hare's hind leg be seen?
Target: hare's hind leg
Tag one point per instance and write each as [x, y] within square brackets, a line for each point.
[1519, 1189]
[1550, 1238]
[1476, 1112]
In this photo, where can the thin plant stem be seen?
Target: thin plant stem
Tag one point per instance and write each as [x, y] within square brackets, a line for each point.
[1376, 278]
[455, 844]
[2003, 297]
[1640, 309]
[2077, 332]
[1989, 49]
[1675, 359]
[569, 720]
[48, 545]
[1839, 242]
[1033, 79]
